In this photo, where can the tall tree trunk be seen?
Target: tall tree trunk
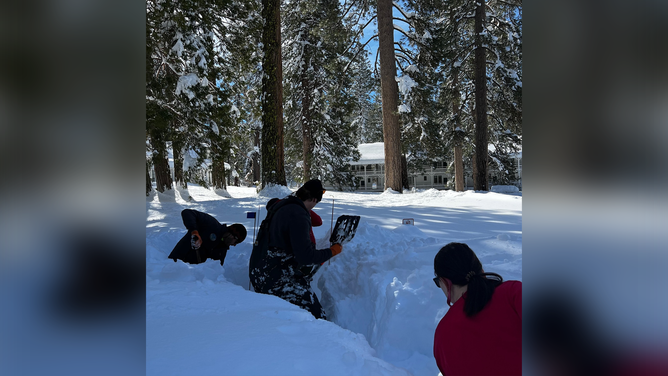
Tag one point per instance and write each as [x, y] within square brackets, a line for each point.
[273, 165]
[404, 172]
[474, 170]
[218, 152]
[389, 97]
[480, 81]
[179, 176]
[228, 176]
[307, 133]
[459, 169]
[149, 186]
[218, 173]
[163, 176]
[459, 160]
[256, 156]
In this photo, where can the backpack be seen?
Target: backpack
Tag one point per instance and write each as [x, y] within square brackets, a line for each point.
[261, 245]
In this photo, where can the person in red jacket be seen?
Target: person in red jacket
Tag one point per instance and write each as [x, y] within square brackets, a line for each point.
[315, 222]
[481, 334]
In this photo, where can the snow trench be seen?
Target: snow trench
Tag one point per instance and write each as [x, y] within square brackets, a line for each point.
[379, 287]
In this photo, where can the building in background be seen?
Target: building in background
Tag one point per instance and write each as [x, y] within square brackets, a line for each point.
[370, 171]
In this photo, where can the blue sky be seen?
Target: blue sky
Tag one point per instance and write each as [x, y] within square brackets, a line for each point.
[372, 29]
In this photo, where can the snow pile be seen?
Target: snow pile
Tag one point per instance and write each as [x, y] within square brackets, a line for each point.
[504, 189]
[390, 191]
[272, 190]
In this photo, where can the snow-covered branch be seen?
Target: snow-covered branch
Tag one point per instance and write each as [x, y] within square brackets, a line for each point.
[398, 7]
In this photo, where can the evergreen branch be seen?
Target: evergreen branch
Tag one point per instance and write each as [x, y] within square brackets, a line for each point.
[509, 4]
[404, 51]
[352, 3]
[401, 55]
[419, 43]
[358, 34]
[403, 20]
[362, 13]
[500, 20]
[398, 63]
[394, 4]
[358, 51]
[395, 27]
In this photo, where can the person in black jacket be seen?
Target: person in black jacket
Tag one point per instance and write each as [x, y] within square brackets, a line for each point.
[279, 271]
[206, 238]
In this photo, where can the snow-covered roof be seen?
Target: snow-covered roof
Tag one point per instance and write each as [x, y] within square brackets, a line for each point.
[371, 153]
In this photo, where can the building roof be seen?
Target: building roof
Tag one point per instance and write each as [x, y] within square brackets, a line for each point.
[371, 154]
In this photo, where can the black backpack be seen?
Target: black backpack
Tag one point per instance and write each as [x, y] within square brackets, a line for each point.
[261, 245]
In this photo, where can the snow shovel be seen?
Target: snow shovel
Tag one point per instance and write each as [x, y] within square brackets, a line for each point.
[345, 228]
[343, 232]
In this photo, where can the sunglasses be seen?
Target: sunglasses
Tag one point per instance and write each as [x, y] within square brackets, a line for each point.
[436, 281]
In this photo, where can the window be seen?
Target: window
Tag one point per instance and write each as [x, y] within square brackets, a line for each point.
[368, 180]
[435, 179]
[440, 179]
[425, 178]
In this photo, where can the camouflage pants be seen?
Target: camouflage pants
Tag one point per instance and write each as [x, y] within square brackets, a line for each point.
[280, 275]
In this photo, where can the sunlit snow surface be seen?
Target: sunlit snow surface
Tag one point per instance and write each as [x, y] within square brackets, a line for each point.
[378, 293]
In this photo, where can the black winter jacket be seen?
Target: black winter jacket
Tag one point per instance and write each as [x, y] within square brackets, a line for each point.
[210, 230]
[290, 231]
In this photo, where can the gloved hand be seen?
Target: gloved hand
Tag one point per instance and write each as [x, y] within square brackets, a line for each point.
[336, 249]
[195, 240]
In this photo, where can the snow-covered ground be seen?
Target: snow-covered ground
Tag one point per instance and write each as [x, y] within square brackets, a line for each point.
[379, 295]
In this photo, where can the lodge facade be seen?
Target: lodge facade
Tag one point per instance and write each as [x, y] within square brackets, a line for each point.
[370, 171]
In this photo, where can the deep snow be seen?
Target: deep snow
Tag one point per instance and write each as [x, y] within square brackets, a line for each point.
[379, 295]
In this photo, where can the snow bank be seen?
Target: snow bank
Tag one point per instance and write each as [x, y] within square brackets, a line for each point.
[504, 189]
[222, 193]
[273, 190]
[381, 286]
[390, 191]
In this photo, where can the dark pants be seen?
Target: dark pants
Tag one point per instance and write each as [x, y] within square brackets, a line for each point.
[280, 275]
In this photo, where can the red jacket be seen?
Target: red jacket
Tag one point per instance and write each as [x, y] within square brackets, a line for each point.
[489, 343]
[315, 222]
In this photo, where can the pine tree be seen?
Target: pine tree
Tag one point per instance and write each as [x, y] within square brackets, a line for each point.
[447, 86]
[191, 48]
[390, 97]
[273, 168]
[323, 108]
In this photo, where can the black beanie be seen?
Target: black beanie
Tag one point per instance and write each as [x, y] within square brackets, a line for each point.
[314, 188]
[239, 231]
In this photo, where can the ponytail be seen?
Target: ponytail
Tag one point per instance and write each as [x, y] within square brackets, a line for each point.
[481, 287]
[458, 263]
